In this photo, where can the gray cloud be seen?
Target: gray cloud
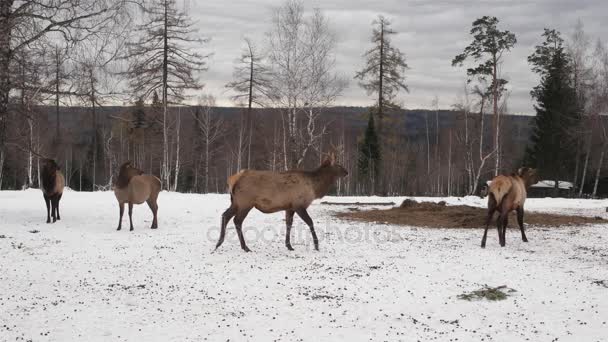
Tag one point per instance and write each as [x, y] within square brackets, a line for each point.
[430, 33]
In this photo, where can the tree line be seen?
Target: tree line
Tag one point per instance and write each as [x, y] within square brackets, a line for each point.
[147, 55]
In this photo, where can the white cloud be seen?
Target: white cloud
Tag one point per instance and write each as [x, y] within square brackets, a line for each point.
[431, 33]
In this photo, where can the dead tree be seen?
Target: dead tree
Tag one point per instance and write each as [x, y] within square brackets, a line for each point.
[252, 85]
[23, 23]
[301, 56]
[209, 129]
[162, 59]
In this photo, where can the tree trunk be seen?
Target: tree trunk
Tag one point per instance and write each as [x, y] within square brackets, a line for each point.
[177, 164]
[495, 108]
[165, 163]
[599, 169]
[5, 85]
[437, 156]
[585, 165]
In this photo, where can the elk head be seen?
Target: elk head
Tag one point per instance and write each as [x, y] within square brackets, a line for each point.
[529, 175]
[334, 169]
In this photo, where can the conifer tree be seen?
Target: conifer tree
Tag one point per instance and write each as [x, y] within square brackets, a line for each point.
[369, 155]
[557, 111]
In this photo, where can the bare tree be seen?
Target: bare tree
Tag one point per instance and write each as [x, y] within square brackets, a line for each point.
[25, 22]
[210, 128]
[301, 56]
[162, 59]
[251, 85]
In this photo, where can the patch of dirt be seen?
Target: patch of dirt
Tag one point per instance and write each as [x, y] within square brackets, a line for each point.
[440, 215]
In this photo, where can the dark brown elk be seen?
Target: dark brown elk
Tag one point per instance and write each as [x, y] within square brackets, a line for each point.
[506, 194]
[134, 187]
[52, 188]
[270, 192]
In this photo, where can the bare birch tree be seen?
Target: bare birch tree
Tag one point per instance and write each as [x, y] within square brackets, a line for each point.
[301, 56]
[210, 128]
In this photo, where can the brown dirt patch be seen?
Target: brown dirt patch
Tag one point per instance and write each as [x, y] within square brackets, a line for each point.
[440, 215]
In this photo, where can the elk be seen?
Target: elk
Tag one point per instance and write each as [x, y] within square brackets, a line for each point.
[53, 183]
[291, 191]
[134, 187]
[506, 194]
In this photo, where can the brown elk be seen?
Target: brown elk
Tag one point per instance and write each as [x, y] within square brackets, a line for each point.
[53, 183]
[134, 187]
[269, 192]
[506, 194]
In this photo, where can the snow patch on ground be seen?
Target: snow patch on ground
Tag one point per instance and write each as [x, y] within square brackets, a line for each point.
[80, 279]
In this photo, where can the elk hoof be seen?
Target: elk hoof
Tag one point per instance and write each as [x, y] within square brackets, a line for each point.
[289, 247]
[483, 245]
[48, 220]
[54, 220]
[131, 229]
[154, 227]
[246, 249]
[118, 228]
[525, 239]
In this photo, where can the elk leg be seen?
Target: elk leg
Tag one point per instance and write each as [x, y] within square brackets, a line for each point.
[505, 223]
[520, 221]
[304, 216]
[54, 208]
[288, 224]
[131, 216]
[491, 209]
[154, 207]
[58, 199]
[121, 207]
[48, 208]
[238, 222]
[226, 216]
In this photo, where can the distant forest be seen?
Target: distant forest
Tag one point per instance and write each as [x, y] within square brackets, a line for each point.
[206, 150]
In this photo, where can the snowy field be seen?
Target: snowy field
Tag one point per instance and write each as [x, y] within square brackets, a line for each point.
[81, 280]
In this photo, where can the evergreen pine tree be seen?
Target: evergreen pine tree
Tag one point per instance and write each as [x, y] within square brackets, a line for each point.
[369, 155]
[557, 114]
[139, 114]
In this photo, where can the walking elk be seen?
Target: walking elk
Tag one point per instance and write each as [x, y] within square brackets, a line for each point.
[269, 192]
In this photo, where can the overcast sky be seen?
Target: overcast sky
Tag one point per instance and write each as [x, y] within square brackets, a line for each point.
[430, 33]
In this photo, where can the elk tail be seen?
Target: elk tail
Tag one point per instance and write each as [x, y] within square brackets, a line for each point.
[232, 180]
[499, 188]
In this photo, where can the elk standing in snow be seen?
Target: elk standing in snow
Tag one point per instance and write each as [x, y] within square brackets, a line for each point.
[269, 192]
[133, 187]
[505, 194]
[52, 188]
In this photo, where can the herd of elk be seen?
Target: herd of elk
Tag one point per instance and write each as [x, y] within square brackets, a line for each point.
[290, 191]
[135, 187]
[507, 194]
[52, 188]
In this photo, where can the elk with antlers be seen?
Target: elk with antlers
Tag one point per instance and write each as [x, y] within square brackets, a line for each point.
[269, 192]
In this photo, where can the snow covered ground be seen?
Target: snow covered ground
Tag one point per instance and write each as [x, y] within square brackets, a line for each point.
[81, 280]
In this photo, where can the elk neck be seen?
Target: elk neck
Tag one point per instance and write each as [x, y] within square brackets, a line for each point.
[322, 180]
